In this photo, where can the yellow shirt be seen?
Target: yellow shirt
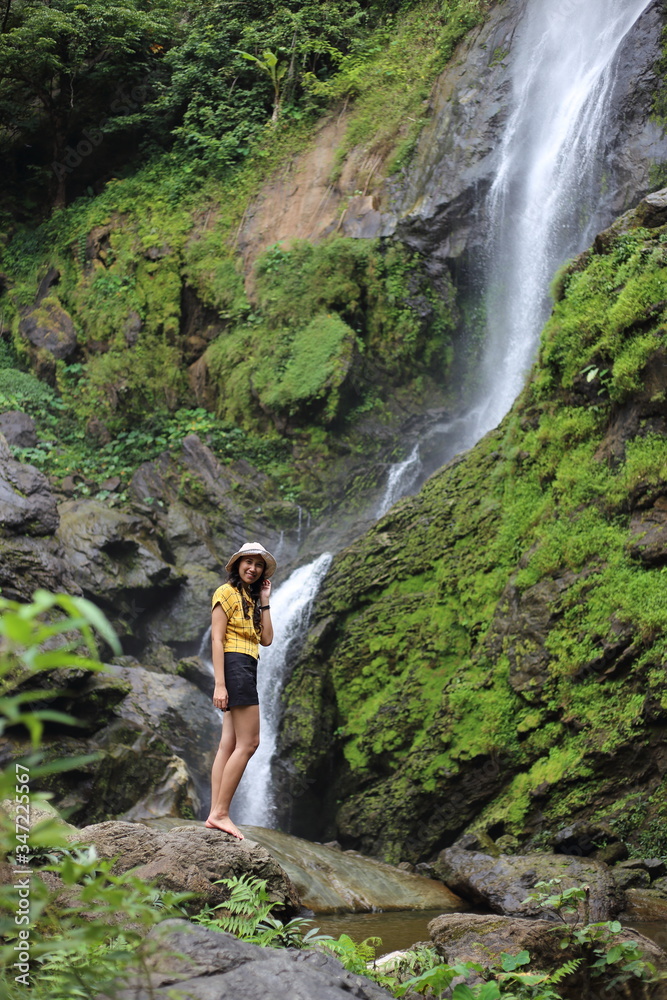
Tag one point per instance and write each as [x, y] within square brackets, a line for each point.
[240, 635]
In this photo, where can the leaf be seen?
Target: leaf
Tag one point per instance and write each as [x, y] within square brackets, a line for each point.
[512, 962]
[463, 992]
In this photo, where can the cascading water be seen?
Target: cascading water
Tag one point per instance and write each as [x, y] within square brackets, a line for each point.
[400, 479]
[291, 604]
[543, 204]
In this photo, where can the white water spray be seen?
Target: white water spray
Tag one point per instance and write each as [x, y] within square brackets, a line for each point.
[400, 479]
[291, 605]
[544, 204]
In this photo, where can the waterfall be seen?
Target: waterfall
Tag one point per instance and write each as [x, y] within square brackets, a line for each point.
[400, 479]
[291, 604]
[544, 205]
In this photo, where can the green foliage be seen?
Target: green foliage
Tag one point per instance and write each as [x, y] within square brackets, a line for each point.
[77, 948]
[324, 312]
[248, 905]
[389, 74]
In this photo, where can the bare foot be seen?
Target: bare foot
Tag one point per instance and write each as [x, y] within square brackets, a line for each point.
[225, 824]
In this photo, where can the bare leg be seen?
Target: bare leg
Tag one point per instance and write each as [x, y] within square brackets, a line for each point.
[225, 749]
[245, 726]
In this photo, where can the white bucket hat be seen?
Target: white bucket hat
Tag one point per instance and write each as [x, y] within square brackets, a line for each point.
[254, 549]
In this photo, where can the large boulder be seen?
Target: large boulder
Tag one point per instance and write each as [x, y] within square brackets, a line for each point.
[191, 859]
[483, 939]
[502, 884]
[18, 429]
[27, 564]
[27, 505]
[49, 327]
[206, 965]
[114, 553]
[153, 737]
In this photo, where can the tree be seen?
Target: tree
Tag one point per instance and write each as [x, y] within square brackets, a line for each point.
[72, 72]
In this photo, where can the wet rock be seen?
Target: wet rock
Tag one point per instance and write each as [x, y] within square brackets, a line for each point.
[26, 502]
[190, 859]
[18, 429]
[49, 327]
[648, 531]
[205, 964]
[483, 939]
[503, 884]
[642, 904]
[113, 552]
[329, 880]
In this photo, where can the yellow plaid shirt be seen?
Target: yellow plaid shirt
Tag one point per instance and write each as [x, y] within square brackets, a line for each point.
[240, 635]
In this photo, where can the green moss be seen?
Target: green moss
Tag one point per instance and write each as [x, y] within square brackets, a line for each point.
[481, 628]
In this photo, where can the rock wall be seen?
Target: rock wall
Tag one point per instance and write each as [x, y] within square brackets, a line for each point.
[491, 654]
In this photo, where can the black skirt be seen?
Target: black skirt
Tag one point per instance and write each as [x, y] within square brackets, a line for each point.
[241, 679]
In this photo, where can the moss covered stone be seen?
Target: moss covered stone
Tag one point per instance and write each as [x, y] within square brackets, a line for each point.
[494, 648]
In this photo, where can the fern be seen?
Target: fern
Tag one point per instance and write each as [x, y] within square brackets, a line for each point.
[248, 906]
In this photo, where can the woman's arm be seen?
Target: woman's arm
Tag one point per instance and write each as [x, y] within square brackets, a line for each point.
[218, 629]
[267, 625]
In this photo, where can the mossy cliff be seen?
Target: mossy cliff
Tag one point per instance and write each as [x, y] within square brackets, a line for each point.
[492, 654]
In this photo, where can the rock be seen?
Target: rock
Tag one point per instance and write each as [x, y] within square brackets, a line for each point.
[191, 859]
[182, 620]
[502, 884]
[645, 905]
[114, 553]
[18, 429]
[189, 536]
[335, 881]
[655, 867]
[630, 878]
[207, 965]
[26, 564]
[483, 939]
[27, 504]
[173, 796]
[49, 327]
[194, 670]
[612, 853]
[648, 532]
[178, 712]
[582, 838]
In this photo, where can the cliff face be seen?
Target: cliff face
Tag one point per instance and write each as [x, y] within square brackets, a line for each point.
[491, 656]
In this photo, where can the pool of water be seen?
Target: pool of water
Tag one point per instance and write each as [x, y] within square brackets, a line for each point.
[403, 928]
[398, 929]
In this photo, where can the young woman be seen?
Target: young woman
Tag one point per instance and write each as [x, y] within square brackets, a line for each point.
[240, 624]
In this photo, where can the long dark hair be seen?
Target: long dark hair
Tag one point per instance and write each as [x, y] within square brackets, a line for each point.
[254, 589]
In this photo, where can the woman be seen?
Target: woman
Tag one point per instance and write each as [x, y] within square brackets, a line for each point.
[240, 624]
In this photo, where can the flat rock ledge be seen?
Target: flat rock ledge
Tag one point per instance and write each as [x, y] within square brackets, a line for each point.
[465, 937]
[191, 859]
[201, 964]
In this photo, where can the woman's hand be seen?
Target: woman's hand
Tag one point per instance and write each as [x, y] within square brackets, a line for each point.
[265, 592]
[220, 697]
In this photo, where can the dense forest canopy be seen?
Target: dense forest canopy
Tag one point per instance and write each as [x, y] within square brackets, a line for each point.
[88, 87]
